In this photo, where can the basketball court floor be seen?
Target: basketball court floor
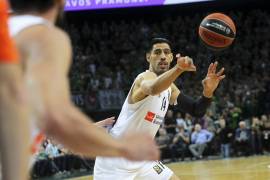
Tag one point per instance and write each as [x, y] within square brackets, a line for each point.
[245, 168]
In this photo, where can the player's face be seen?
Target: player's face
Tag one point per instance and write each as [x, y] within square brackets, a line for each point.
[160, 58]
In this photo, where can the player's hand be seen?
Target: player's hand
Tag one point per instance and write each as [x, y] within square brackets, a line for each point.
[212, 79]
[140, 146]
[185, 63]
[106, 122]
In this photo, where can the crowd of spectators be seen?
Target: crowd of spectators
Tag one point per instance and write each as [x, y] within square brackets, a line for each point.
[197, 138]
[108, 55]
[54, 160]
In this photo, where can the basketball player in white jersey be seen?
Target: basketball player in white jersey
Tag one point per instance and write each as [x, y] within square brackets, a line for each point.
[145, 108]
[46, 55]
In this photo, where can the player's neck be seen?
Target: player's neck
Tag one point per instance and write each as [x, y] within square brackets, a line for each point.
[50, 15]
[151, 70]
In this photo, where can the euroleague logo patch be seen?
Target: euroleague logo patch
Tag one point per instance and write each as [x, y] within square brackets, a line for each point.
[154, 118]
[158, 169]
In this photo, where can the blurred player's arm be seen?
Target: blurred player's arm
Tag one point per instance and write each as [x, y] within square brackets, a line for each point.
[199, 106]
[63, 120]
[14, 125]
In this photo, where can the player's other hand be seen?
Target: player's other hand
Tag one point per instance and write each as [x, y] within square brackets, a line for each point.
[185, 63]
[212, 79]
[106, 122]
[140, 146]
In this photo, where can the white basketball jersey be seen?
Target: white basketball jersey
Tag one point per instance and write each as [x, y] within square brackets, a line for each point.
[18, 24]
[146, 115]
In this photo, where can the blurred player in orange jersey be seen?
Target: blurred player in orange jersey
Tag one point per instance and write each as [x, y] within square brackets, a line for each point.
[14, 133]
[46, 54]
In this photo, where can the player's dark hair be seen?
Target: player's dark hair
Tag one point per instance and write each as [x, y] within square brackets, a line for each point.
[157, 41]
[23, 6]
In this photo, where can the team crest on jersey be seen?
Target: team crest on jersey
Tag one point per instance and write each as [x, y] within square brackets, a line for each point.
[158, 169]
[154, 118]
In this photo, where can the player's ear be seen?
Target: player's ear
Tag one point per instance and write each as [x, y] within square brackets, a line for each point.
[171, 57]
[148, 56]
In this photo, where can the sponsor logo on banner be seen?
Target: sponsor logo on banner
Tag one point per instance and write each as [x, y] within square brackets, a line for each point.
[72, 5]
[75, 5]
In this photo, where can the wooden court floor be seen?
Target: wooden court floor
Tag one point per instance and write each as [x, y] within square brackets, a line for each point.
[248, 168]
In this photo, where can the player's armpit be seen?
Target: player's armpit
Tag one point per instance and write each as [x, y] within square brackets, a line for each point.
[146, 82]
[142, 87]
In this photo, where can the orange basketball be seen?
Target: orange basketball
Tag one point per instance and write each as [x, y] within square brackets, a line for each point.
[217, 31]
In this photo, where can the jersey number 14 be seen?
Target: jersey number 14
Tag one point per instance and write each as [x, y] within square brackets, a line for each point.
[163, 105]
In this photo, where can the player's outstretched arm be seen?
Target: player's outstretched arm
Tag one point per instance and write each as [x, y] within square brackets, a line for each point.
[61, 119]
[164, 81]
[149, 83]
